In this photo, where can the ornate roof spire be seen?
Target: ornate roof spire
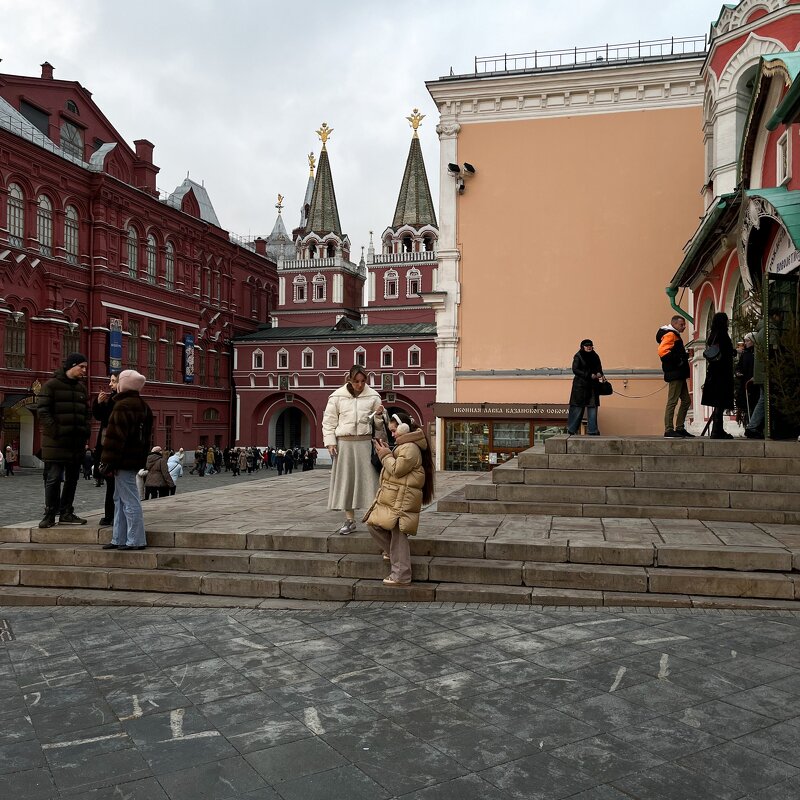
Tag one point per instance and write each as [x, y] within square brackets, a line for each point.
[312, 160]
[324, 134]
[279, 204]
[323, 215]
[414, 204]
[415, 120]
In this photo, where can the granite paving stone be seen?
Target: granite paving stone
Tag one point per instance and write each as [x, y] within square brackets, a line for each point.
[420, 702]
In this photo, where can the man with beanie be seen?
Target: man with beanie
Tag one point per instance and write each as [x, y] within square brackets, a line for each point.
[125, 449]
[63, 412]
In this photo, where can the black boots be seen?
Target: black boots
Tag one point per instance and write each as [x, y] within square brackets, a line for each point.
[49, 518]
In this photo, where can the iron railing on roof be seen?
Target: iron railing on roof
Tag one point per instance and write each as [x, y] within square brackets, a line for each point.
[32, 134]
[401, 258]
[582, 57]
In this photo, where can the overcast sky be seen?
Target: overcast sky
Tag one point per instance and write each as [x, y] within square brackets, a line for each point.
[232, 90]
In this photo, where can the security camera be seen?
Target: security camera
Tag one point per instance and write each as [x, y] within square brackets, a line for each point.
[454, 169]
[468, 168]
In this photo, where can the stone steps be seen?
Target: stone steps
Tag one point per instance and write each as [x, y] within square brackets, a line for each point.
[516, 567]
[595, 476]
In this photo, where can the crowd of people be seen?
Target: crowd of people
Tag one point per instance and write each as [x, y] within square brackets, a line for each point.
[210, 460]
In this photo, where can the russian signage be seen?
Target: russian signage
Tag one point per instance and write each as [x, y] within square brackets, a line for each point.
[499, 410]
[115, 344]
[188, 358]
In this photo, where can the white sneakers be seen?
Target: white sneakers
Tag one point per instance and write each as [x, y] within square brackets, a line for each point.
[348, 527]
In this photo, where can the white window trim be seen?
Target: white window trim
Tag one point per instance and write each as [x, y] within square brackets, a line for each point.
[319, 280]
[391, 275]
[414, 349]
[356, 354]
[388, 350]
[257, 354]
[783, 144]
[296, 284]
[282, 352]
[413, 275]
[332, 351]
[307, 352]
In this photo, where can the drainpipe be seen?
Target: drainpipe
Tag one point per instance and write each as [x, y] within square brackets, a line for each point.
[672, 292]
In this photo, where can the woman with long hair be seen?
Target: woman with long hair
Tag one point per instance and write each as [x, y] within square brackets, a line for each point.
[406, 484]
[718, 390]
[353, 416]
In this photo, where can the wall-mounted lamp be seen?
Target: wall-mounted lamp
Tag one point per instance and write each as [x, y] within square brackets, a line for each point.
[73, 326]
[17, 315]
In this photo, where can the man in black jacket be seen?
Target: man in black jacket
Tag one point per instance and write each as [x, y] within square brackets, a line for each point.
[64, 416]
[675, 364]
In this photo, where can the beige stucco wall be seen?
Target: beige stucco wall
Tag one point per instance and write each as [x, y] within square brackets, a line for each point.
[572, 228]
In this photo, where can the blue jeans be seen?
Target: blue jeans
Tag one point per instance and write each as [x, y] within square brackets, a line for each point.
[128, 516]
[757, 415]
[575, 416]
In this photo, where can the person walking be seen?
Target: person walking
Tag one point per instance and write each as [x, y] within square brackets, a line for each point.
[2, 464]
[11, 460]
[210, 461]
[718, 388]
[288, 461]
[240, 461]
[353, 416]
[158, 480]
[675, 365]
[175, 467]
[406, 482]
[63, 412]
[88, 463]
[101, 411]
[585, 394]
[125, 448]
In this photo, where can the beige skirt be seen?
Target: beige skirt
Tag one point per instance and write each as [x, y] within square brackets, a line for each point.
[354, 481]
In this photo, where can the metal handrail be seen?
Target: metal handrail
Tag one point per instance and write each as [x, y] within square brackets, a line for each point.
[576, 57]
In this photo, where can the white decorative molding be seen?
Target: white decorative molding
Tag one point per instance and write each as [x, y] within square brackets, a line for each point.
[748, 54]
[533, 95]
[731, 19]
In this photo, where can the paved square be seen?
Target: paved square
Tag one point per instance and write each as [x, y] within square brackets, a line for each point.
[417, 701]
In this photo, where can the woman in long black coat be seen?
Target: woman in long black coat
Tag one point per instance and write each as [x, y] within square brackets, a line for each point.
[718, 388]
[588, 373]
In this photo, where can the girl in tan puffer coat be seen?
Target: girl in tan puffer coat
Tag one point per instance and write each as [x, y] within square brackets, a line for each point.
[406, 482]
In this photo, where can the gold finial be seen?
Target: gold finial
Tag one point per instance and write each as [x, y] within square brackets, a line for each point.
[414, 120]
[324, 133]
[311, 163]
[279, 204]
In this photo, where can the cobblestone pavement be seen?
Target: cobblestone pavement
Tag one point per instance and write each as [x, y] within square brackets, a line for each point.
[382, 701]
[22, 497]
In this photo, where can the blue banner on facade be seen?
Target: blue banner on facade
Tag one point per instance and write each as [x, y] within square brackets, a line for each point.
[115, 345]
[188, 358]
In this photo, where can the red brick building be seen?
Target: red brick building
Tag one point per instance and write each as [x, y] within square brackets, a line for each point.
[332, 313]
[92, 259]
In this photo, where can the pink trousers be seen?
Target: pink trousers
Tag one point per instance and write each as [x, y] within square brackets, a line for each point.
[396, 545]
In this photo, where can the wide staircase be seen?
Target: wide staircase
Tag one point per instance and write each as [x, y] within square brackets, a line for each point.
[734, 480]
[267, 545]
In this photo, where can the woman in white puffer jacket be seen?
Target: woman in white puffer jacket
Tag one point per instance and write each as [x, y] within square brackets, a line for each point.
[353, 416]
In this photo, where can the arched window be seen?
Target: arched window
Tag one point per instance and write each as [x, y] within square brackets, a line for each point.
[320, 287]
[16, 330]
[333, 358]
[72, 139]
[408, 244]
[710, 311]
[152, 259]
[16, 215]
[71, 234]
[331, 250]
[413, 282]
[387, 356]
[133, 252]
[283, 359]
[300, 289]
[360, 357]
[70, 105]
[258, 359]
[44, 224]
[312, 250]
[169, 266]
[71, 341]
[414, 354]
[390, 283]
[308, 358]
[427, 244]
[210, 415]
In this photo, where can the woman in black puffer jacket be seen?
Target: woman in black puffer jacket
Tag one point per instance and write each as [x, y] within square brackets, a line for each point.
[718, 390]
[588, 371]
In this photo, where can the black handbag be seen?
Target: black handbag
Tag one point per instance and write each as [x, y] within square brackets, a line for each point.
[605, 388]
[712, 353]
[373, 456]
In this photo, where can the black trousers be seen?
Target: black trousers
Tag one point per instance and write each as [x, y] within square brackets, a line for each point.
[57, 500]
[109, 503]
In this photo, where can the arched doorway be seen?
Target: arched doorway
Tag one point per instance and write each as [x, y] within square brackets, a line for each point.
[291, 429]
[18, 431]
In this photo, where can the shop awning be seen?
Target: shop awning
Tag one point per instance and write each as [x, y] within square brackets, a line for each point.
[786, 205]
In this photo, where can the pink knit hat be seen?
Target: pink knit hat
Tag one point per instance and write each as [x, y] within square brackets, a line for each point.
[131, 381]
